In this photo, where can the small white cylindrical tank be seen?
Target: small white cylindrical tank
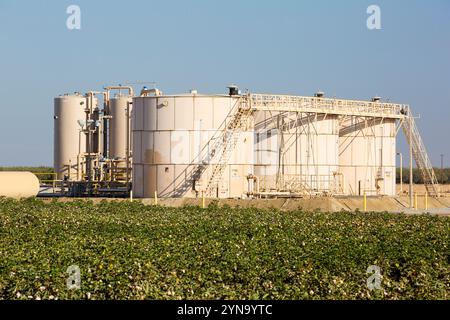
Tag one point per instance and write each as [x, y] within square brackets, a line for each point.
[18, 185]
[118, 126]
[69, 140]
[169, 134]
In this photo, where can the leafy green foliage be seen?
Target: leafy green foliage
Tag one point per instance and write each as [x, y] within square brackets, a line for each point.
[132, 251]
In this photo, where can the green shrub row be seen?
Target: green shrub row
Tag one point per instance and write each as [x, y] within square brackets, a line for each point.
[132, 251]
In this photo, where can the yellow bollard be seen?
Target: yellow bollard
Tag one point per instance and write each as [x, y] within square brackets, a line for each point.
[415, 201]
[156, 198]
[203, 200]
[365, 202]
[426, 200]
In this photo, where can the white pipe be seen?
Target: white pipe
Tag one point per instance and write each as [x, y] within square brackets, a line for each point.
[249, 187]
[255, 180]
[91, 95]
[69, 171]
[130, 89]
[128, 143]
[257, 184]
[146, 92]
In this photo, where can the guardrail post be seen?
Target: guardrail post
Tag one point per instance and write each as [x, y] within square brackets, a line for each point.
[415, 201]
[365, 202]
[203, 200]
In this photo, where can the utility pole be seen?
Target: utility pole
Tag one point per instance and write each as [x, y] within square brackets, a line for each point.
[401, 172]
[411, 205]
[442, 168]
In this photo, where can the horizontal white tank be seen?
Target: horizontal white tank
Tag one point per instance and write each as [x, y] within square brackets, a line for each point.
[69, 141]
[18, 185]
[301, 155]
[169, 133]
[367, 156]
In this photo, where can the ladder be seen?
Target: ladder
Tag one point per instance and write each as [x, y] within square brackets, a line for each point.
[226, 145]
[420, 155]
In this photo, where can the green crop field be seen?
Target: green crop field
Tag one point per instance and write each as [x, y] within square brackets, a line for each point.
[131, 251]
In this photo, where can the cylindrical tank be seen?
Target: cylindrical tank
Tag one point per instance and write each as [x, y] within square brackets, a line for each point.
[367, 156]
[169, 135]
[69, 140]
[18, 185]
[118, 126]
[296, 152]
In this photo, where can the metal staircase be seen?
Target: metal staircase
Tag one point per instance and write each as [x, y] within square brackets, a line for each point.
[226, 145]
[420, 155]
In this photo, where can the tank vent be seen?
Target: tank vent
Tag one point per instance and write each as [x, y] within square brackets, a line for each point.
[319, 94]
[376, 99]
[233, 90]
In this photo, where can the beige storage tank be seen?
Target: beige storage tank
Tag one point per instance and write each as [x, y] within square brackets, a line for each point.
[367, 156]
[297, 152]
[169, 133]
[18, 185]
[118, 126]
[69, 140]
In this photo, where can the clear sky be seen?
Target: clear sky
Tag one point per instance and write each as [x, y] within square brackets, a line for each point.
[293, 47]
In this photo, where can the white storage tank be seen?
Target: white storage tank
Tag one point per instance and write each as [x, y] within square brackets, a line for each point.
[297, 152]
[69, 140]
[367, 156]
[18, 185]
[169, 134]
[118, 126]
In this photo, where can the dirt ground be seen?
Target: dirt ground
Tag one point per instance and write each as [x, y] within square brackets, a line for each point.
[420, 189]
[400, 204]
[440, 206]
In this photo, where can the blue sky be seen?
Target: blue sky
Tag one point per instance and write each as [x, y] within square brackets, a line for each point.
[293, 47]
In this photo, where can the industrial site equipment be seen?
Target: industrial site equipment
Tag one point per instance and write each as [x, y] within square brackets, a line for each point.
[92, 145]
[18, 184]
[231, 146]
